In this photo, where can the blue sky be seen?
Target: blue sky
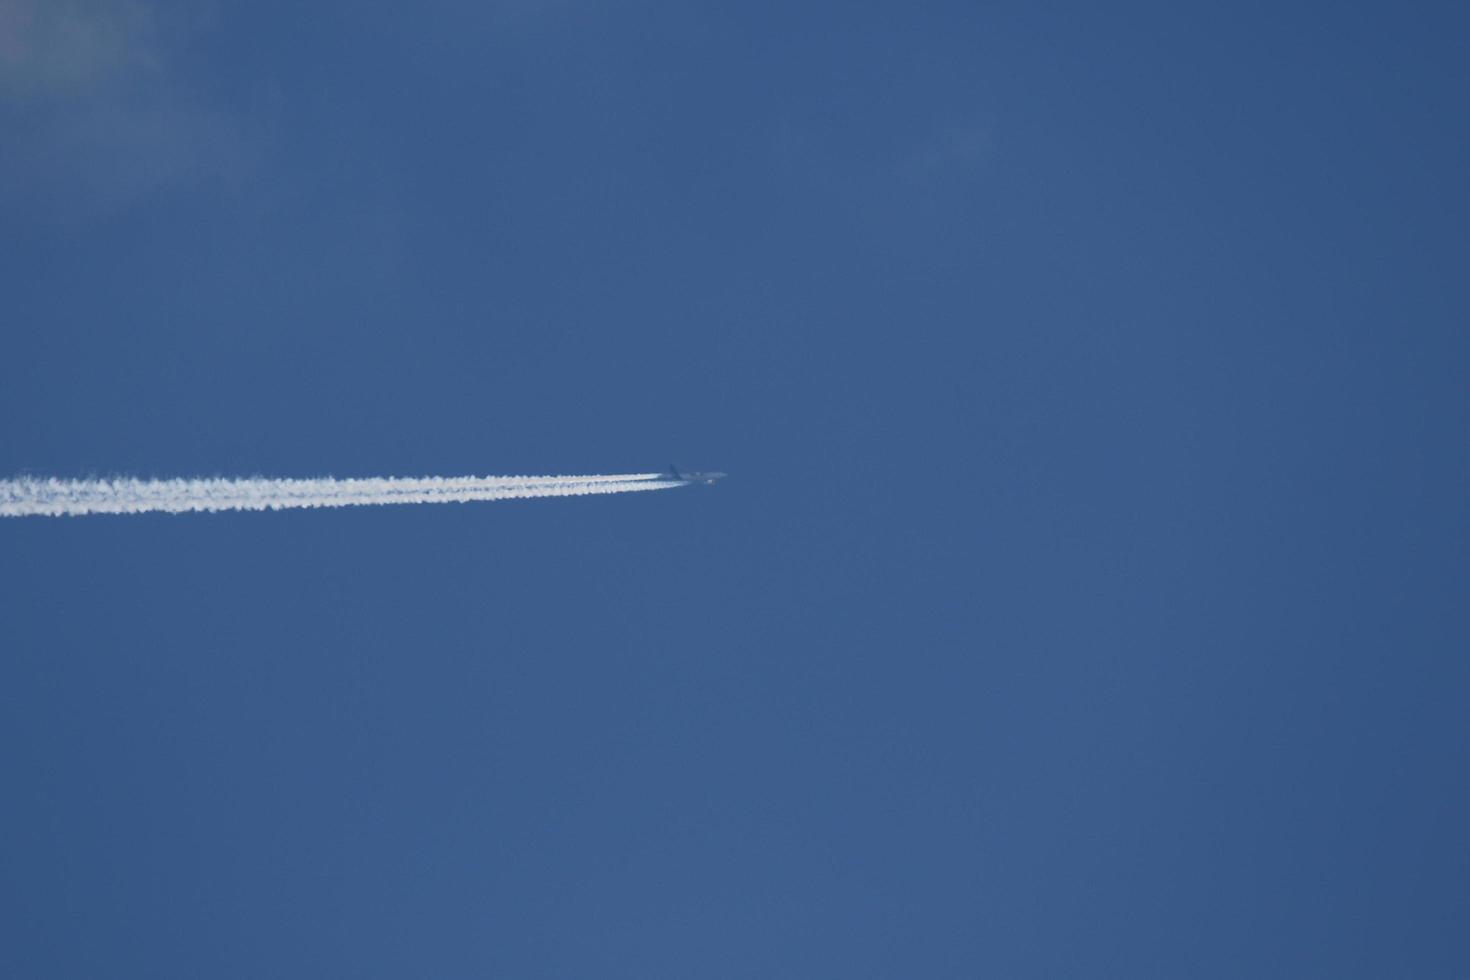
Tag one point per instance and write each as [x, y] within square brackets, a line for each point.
[1086, 598]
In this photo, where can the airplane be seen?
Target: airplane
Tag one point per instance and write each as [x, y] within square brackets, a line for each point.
[687, 478]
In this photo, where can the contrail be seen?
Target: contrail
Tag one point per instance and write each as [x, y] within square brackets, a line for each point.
[57, 498]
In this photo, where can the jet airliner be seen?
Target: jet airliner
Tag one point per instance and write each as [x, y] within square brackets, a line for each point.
[707, 478]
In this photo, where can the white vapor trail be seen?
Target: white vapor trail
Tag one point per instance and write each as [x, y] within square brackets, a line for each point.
[56, 498]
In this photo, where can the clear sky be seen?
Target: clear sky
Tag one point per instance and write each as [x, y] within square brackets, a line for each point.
[1087, 598]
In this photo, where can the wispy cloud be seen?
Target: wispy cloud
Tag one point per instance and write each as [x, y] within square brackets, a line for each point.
[96, 109]
[51, 47]
[958, 150]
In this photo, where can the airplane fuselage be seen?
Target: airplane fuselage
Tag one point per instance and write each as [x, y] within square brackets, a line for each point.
[709, 479]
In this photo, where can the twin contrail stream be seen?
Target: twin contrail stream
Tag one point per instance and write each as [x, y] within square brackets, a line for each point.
[58, 498]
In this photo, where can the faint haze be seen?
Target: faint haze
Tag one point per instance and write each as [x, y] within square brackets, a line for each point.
[97, 109]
